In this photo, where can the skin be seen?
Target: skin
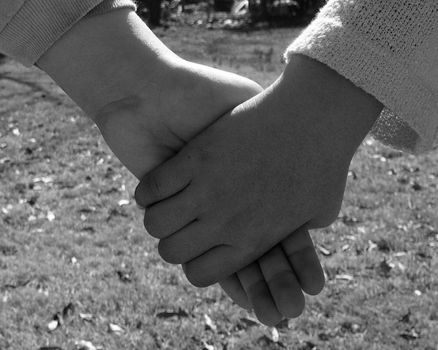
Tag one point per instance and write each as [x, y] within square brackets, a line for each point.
[148, 103]
[273, 164]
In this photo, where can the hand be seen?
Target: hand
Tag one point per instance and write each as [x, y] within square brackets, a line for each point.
[151, 105]
[273, 164]
[273, 286]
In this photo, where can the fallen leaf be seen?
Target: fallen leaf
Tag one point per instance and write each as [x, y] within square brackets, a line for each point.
[86, 317]
[324, 251]
[52, 325]
[344, 277]
[416, 186]
[84, 345]
[274, 335]
[124, 276]
[371, 245]
[248, 321]
[114, 328]
[207, 346]
[383, 245]
[68, 310]
[406, 317]
[384, 269]
[123, 202]
[350, 220]
[50, 216]
[209, 323]
[412, 335]
[168, 314]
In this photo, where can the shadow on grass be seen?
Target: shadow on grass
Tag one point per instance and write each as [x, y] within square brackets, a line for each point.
[35, 89]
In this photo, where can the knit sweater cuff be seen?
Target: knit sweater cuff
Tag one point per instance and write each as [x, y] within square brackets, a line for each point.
[410, 107]
[38, 24]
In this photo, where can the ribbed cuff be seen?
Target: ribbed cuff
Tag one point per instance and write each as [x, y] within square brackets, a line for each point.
[38, 24]
[8, 9]
[411, 108]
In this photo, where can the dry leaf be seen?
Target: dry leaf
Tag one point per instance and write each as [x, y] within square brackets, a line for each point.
[248, 321]
[344, 277]
[168, 314]
[52, 325]
[50, 216]
[324, 251]
[86, 317]
[115, 328]
[207, 346]
[84, 345]
[384, 269]
[274, 335]
[209, 323]
[123, 202]
[68, 310]
[371, 245]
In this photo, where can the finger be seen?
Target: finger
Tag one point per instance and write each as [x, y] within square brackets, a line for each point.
[188, 244]
[171, 215]
[164, 181]
[232, 286]
[259, 295]
[282, 282]
[302, 256]
[213, 265]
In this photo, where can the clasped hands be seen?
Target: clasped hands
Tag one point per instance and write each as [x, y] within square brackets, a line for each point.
[240, 196]
[232, 177]
[233, 203]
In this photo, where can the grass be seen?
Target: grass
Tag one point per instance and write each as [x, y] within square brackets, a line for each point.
[73, 250]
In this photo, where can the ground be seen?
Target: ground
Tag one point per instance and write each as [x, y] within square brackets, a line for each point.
[77, 269]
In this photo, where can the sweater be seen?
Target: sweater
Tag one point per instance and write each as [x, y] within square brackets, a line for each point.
[28, 28]
[389, 48]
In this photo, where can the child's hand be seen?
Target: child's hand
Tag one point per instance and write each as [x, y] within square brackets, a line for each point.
[273, 285]
[149, 126]
[146, 129]
[275, 163]
[146, 101]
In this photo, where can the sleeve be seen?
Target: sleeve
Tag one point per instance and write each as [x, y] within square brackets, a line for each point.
[28, 28]
[389, 48]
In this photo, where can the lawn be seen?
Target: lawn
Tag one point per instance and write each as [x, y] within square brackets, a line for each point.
[77, 269]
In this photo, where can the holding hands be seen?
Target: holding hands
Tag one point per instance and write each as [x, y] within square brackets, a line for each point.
[235, 200]
[273, 164]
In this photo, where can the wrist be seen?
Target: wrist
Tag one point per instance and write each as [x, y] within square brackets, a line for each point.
[106, 58]
[342, 112]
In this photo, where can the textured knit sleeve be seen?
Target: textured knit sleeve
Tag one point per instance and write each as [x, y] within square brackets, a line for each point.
[389, 48]
[28, 28]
